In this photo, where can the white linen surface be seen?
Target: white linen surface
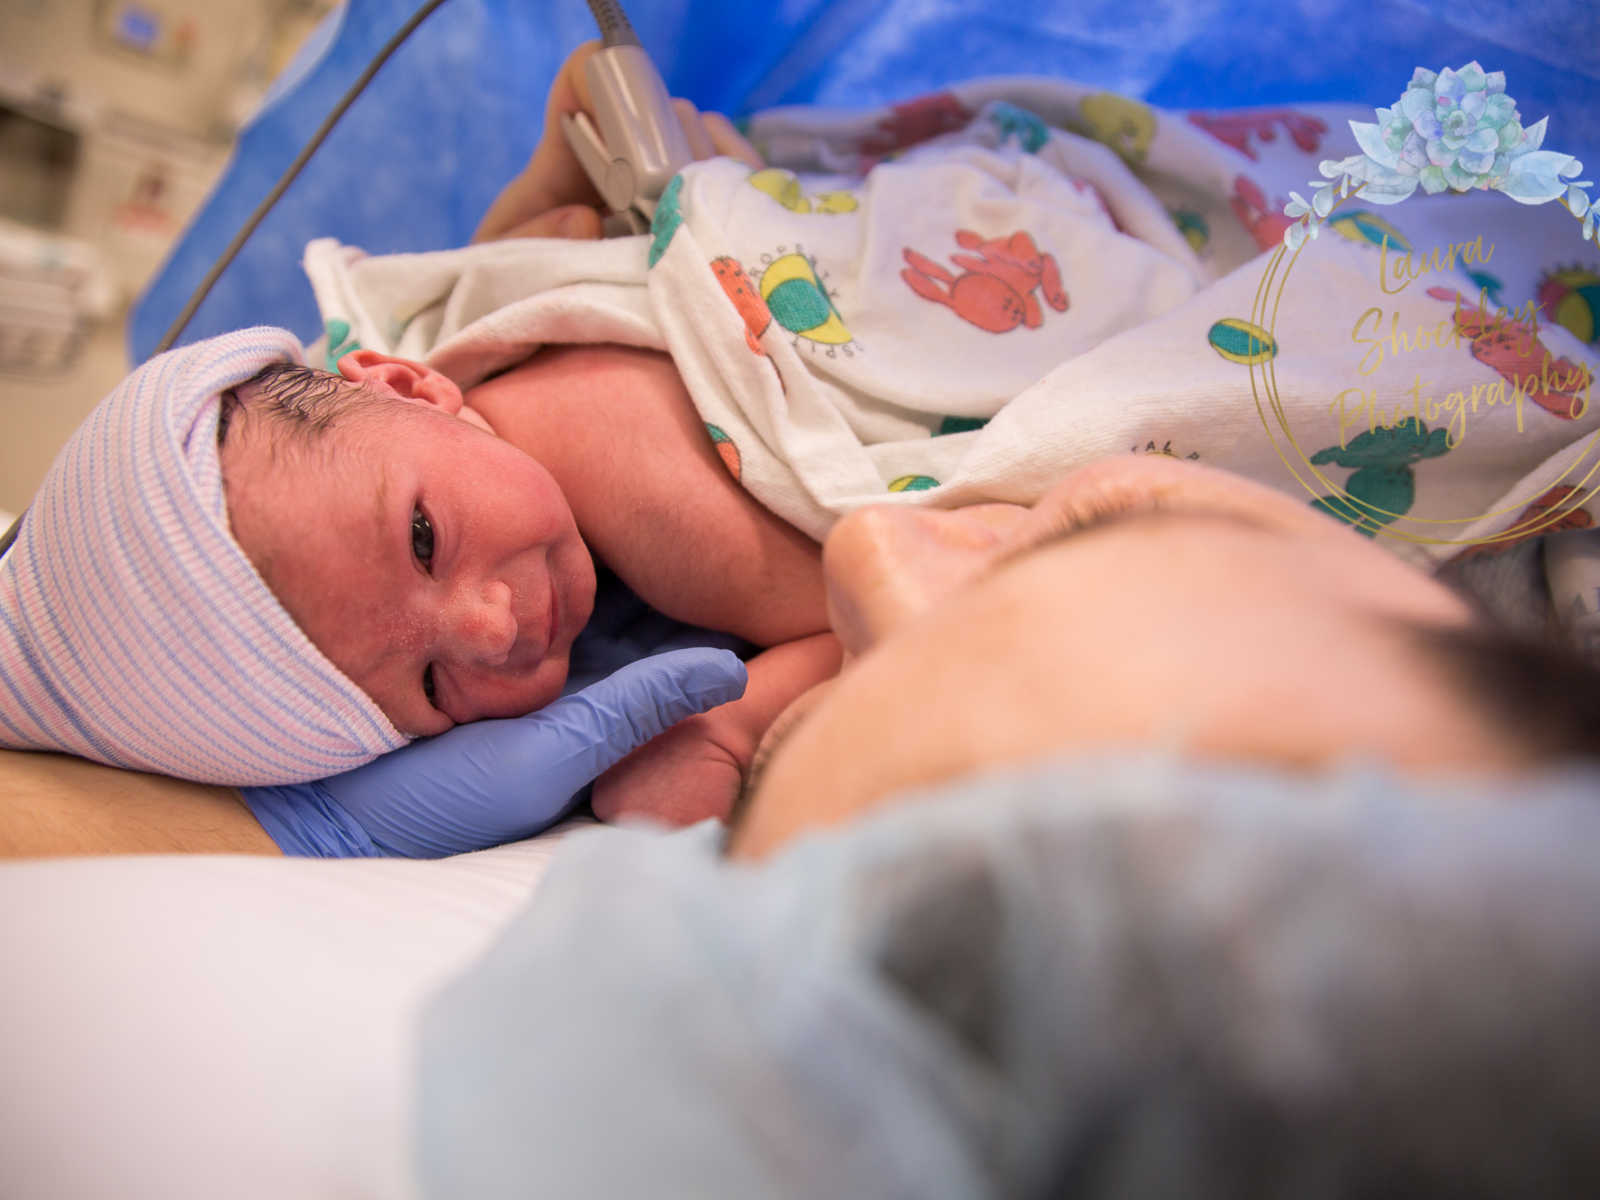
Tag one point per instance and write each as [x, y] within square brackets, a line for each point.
[228, 1025]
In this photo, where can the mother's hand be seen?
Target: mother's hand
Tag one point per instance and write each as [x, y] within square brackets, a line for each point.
[553, 196]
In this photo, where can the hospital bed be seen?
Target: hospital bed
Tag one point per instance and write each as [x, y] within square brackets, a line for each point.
[240, 1027]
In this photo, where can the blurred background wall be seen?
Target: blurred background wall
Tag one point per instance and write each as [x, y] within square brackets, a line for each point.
[115, 118]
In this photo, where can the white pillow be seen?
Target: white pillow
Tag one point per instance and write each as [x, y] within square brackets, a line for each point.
[219, 1025]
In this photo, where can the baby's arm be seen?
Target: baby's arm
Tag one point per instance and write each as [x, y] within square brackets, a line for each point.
[696, 768]
[651, 496]
[618, 431]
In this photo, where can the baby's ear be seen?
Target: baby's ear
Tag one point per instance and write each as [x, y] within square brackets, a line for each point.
[402, 378]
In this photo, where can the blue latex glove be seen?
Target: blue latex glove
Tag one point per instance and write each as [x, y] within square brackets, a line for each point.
[490, 782]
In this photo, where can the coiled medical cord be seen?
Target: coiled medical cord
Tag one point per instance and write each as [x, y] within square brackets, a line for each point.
[615, 28]
[225, 260]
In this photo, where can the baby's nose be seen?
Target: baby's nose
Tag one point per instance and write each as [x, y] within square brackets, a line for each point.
[479, 626]
[886, 564]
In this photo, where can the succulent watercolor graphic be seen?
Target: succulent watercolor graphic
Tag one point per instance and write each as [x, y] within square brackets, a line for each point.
[1452, 130]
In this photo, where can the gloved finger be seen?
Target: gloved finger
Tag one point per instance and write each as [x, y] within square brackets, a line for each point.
[491, 781]
[608, 720]
[729, 141]
[306, 822]
[699, 140]
[565, 745]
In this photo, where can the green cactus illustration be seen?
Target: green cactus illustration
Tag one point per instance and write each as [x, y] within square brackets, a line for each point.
[340, 341]
[1016, 122]
[1382, 485]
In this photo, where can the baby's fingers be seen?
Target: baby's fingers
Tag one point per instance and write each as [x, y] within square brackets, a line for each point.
[729, 141]
[700, 145]
[576, 221]
[711, 134]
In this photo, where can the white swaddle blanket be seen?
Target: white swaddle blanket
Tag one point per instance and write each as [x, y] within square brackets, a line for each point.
[959, 300]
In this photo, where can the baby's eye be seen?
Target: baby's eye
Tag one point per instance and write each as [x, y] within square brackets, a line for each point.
[422, 537]
[427, 684]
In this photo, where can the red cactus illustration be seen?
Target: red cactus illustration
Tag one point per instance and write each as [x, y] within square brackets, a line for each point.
[1514, 349]
[1265, 222]
[996, 290]
[916, 121]
[745, 298]
[1235, 129]
[1575, 518]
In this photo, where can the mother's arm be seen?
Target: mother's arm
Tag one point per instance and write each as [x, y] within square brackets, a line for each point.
[51, 805]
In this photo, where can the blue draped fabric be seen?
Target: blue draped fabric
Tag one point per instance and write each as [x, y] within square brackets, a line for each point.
[458, 109]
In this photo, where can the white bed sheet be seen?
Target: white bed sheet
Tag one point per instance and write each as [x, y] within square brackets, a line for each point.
[217, 1025]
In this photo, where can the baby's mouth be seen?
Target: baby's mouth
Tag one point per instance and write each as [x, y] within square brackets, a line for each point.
[552, 618]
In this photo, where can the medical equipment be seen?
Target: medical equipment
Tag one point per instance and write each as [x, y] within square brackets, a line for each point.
[639, 145]
[636, 149]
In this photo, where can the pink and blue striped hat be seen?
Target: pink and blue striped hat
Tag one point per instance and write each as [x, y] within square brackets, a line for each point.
[133, 629]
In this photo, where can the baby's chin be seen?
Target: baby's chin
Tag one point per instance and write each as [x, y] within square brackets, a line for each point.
[503, 698]
[542, 689]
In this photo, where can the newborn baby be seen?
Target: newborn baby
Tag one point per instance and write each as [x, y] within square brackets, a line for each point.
[436, 547]
[244, 571]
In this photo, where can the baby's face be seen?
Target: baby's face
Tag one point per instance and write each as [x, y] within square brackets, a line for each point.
[437, 566]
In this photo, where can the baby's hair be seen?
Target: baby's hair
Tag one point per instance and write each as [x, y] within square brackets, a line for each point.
[302, 399]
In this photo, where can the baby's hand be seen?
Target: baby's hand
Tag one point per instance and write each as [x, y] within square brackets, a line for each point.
[554, 197]
[691, 772]
[695, 769]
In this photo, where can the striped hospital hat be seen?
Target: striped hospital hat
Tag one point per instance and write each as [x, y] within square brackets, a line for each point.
[133, 629]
